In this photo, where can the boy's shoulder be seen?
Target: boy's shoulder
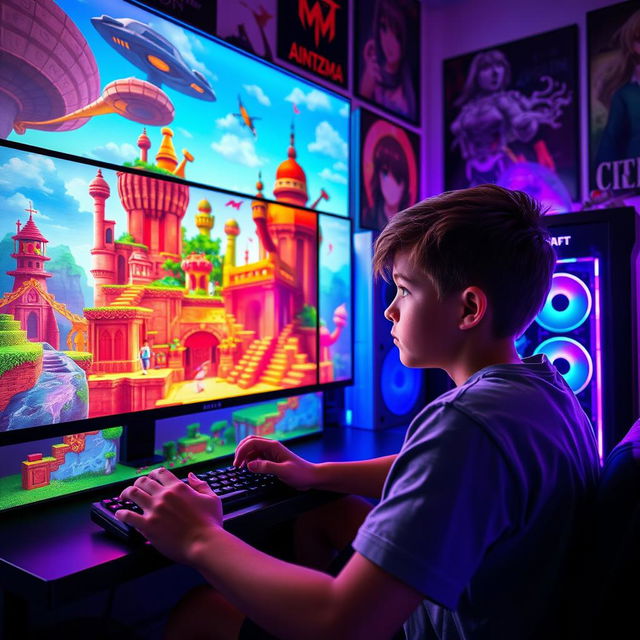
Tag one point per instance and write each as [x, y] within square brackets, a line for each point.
[502, 395]
[520, 409]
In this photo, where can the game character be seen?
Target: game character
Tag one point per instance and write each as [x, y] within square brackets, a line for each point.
[200, 375]
[145, 357]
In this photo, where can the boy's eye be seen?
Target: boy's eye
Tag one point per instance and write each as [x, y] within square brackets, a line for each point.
[403, 291]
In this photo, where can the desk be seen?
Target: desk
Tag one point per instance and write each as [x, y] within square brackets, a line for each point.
[53, 553]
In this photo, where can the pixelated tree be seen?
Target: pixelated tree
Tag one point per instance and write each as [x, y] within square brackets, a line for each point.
[217, 429]
[170, 450]
[109, 461]
[112, 433]
[197, 244]
[229, 435]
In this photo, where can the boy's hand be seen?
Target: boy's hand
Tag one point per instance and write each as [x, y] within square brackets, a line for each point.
[262, 455]
[176, 516]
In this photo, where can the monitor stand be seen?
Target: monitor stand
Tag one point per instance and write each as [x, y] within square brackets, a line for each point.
[137, 444]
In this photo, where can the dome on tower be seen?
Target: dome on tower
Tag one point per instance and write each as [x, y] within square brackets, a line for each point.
[231, 227]
[143, 140]
[291, 180]
[204, 205]
[290, 170]
[98, 186]
[30, 231]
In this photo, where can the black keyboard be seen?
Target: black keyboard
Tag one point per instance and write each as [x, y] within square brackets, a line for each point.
[237, 487]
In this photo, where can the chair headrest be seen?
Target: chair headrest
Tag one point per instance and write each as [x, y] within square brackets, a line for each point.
[620, 480]
[627, 448]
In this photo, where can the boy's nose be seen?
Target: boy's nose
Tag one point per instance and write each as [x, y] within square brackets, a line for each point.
[390, 313]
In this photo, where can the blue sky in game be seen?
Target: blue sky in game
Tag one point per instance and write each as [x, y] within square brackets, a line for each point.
[227, 154]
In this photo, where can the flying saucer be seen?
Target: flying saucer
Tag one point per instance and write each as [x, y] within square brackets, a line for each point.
[153, 54]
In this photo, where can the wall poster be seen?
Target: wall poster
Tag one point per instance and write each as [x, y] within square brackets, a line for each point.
[389, 170]
[388, 55]
[511, 118]
[613, 36]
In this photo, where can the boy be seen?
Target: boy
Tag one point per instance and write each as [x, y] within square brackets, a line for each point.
[479, 510]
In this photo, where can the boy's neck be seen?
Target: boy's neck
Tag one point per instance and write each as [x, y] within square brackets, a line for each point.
[471, 358]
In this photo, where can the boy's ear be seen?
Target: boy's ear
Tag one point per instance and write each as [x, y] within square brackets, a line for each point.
[474, 307]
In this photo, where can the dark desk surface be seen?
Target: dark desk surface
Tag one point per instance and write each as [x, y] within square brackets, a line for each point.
[53, 553]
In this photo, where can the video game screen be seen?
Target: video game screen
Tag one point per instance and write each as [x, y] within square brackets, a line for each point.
[121, 292]
[44, 469]
[103, 79]
[336, 328]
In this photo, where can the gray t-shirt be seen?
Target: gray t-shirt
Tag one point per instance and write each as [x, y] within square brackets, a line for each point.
[480, 508]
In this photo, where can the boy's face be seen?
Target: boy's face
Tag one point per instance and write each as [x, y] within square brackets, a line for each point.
[425, 329]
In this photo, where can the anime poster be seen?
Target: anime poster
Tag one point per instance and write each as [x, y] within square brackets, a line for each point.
[249, 25]
[124, 74]
[389, 170]
[314, 35]
[511, 118]
[387, 59]
[335, 325]
[199, 13]
[614, 99]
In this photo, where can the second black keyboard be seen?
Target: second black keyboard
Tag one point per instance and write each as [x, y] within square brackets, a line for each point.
[236, 487]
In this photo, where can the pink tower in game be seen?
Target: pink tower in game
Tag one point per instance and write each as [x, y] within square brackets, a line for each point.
[155, 208]
[31, 306]
[104, 258]
[293, 230]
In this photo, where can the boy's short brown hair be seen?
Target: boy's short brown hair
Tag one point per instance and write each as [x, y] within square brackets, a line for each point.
[484, 236]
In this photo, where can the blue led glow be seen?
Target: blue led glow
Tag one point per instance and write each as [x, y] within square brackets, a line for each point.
[571, 359]
[568, 304]
[400, 385]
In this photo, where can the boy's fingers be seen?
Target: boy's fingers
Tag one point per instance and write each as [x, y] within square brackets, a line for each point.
[263, 466]
[130, 518]
[200, 485]
[250, 448]
[137, 495]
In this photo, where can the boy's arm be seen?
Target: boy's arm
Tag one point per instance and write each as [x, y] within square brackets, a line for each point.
[364, 478]
[185, 523]
[291, 601]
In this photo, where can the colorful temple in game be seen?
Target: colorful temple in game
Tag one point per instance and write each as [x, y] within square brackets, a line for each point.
[245, 336]
[254, 331]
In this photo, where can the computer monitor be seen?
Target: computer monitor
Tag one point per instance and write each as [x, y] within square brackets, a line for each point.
[51, 468]
[125, 293]
[140, 284]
